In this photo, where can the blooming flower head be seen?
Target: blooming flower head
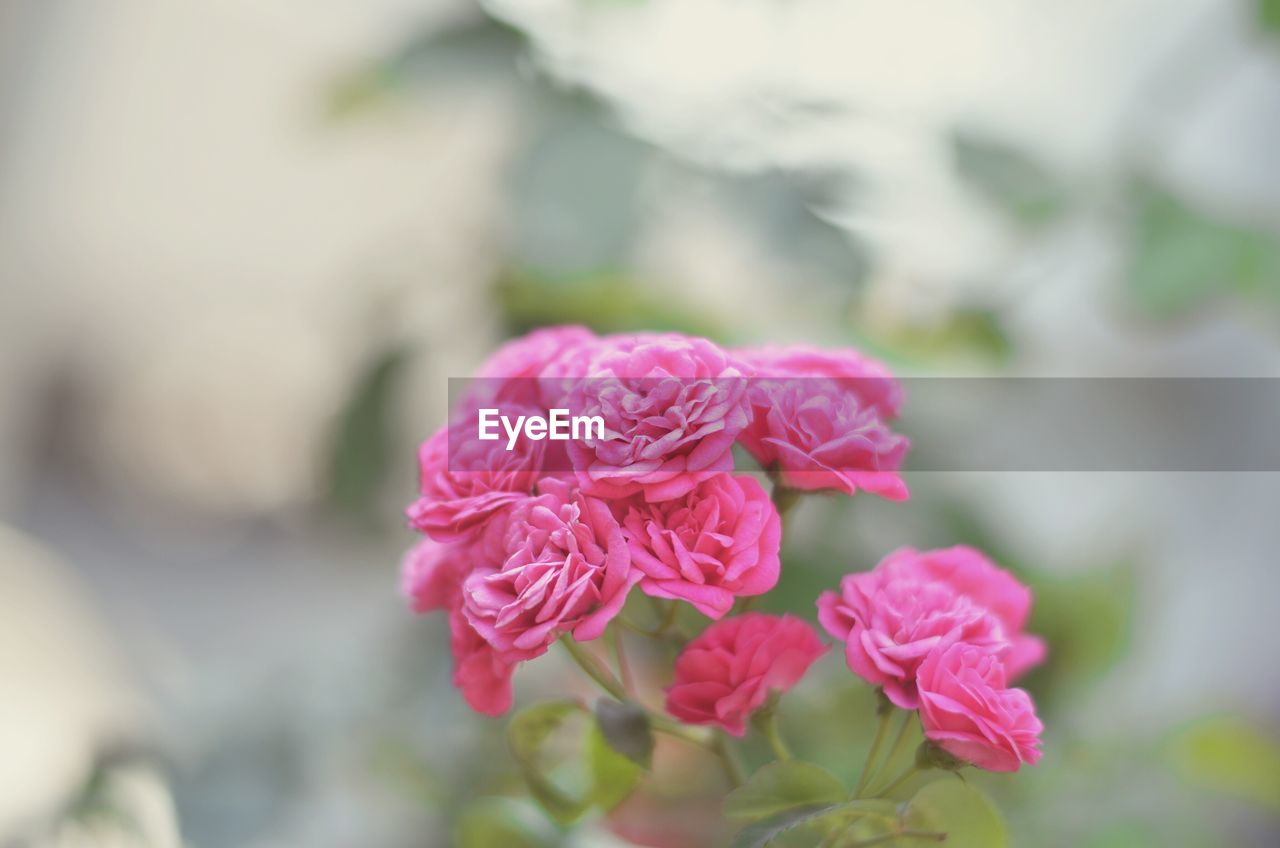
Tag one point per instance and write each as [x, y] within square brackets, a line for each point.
[715, 543]
[727, 672]
[464, 480]
[431, 575]
[969, 572]
[892, 617]
[966, 708]
[432, 578]
[672, 407]
[512, 374]
[558, 563]
[819, 419]
[867, 379]
[816, 435]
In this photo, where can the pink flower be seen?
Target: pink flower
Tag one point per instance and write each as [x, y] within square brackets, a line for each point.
[480, 672]
[431, 575]
[867, 378]
[818, 420]
[816, 436]
[892, 617]
[966, 708]
[727, 673]
[672, 407]
[713, 544]
[464, 481]
[970, 573]
[511, 373]
[432, 579]
[557, 564]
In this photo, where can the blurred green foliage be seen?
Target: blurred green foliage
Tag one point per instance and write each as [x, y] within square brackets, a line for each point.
[603, 780]
[1011, 179]
[1185, 258]
[1229, 755]
[1269, 15]
[607, 302]
[360, 446]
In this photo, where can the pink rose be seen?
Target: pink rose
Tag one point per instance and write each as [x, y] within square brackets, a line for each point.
[816, 436]
[464, 481]
[482, 674]
[892, 617]
[966, 708]
[672, 407]
[727, 672]
[511, 374]
[867, 378]
[432, 579]
[557, 564]
[713, 544]
[818, 420]
[969, 572]
[431, 575]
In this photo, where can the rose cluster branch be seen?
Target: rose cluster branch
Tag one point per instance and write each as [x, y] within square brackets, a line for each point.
[528, 542]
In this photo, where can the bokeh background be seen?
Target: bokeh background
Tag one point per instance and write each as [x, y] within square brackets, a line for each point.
[244, 243]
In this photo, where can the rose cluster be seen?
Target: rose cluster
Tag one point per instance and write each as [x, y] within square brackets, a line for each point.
[546, 540]
[942, 632]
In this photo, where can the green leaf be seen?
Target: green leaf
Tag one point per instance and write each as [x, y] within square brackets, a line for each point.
[765, 832]
[626, 728]
[1184, 257]
[526, 734]
[1269, 16]
[494, 823]
[783, 787]
[1227, 754]
[613, 775]
[958, 809]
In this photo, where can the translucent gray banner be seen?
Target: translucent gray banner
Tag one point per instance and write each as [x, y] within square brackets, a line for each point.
[1022, 424]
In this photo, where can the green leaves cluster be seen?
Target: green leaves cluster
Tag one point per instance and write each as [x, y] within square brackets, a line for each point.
[615, 749]
[787, 801]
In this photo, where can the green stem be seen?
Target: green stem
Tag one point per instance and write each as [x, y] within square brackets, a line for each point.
[885, 712]
[767, 722]
[728, 760]
[895, 750]
[910, 772]
[668, 619]
[624, 667]
[603, 676]
[784, 498]
[595, 669]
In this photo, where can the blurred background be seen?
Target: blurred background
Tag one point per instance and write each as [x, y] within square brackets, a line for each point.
[243, 245]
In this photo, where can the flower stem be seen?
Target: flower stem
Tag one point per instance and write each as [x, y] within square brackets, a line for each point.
[895, 750]
[624, 666]
[767, 722]
[910, 772]
[595, 669]
[885, 712]
[601, 675]
[728, 760]
[784, 499]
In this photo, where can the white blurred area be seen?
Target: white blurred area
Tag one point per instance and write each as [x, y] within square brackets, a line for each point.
[207, 262]
[867, 94]
[215, 261]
